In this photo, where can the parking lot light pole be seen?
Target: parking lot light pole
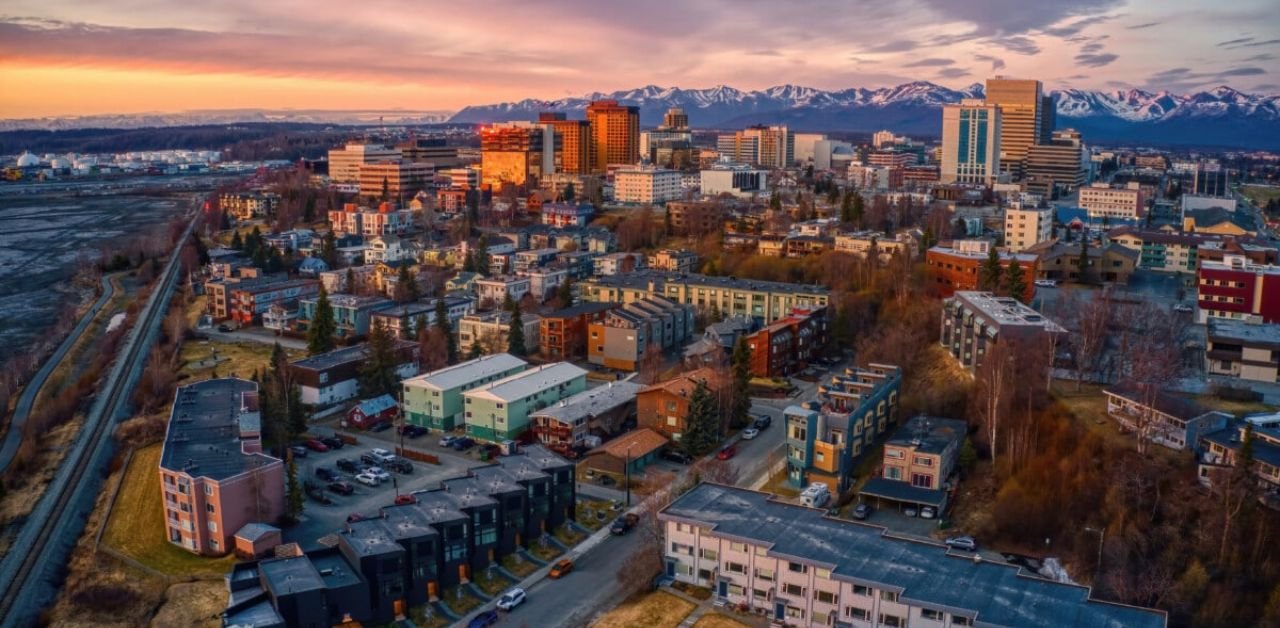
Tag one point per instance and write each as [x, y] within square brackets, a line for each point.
[1102, 538]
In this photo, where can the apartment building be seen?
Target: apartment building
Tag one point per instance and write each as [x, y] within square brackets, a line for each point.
[1222, 448]
[696, 218]
[1182, 252]
[804, 568]
[249, 302]
[647, 186]
[332, 377]
[764, 300]
[214, 476]
[500, 410]
[1162, 418]
[364, 221]
[1239, 289]
[1239, 349]
[399, 178]
[567, 214]
[1061, 261]
[402, 320]
[920, 455]
[600, 411]
[674, 260]
[664, 407]
[562, 335]
[1056, 168]
[974, 322]
[1025, 228]
[345, 162]
[545, 281]
[494, 291]
[434, 399]
[826, 438]
[1101, 200]
[352, 314]
[407, 554]
[492, 332]
[218, 291]
[864, 244]
[249, 205]
[620, 338]
[618, 263]
[957, 267]
[788, 345]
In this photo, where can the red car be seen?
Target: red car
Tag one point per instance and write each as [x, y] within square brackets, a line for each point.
[317, 446]
[727, 452]
[405, 499]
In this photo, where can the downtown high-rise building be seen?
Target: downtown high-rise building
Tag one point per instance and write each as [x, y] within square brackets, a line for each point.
[573, 142]
[971, 135]
[1058, 167]
[768, 146]
[614, 134]
[516, 153]
[1022, 117]
[675, 120]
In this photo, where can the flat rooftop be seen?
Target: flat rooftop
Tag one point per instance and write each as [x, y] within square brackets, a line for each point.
[591, 402]
[1005, 310]
[528, 382]
[929, 434]
[203, 437]
[369, 537]
[642, 278]
[291, 575]
[923, 572]
[1253, 334]
[334, 568]
[467, 372]
[330, 359]
[407, 521]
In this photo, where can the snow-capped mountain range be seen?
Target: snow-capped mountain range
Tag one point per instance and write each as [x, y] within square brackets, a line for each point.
[1221, 117]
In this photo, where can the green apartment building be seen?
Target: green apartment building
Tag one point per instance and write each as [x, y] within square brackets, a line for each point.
[435, 399]
[500, 411]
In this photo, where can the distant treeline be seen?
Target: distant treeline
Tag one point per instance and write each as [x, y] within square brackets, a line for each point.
[249, 141]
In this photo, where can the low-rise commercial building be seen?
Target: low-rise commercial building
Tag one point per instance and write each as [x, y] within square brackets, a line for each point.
[735, 180]
[1248, 351]
[802, 567]
[500, 410]
[1101, 200]
[973, 322]
[828, 437]
[332, 377]
[345, 162]
[434, 399]
[214, 476]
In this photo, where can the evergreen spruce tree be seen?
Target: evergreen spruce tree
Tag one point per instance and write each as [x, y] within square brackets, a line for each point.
[442, 322]
[351, 282]
[476, 351]
[515, 334]
[858, 208]
[293, 509]
[1015, 281]
[237, 242]
[322, 328]
[741, 365]
[378, 373]
[775, 201]
[406, 286]
[569, 193]
[1082, 263]
[329, 250]
[565, 292]
[419, 326]
[989, 273]
[702, 426]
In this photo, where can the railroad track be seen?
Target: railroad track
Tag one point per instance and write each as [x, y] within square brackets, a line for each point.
[53, 526]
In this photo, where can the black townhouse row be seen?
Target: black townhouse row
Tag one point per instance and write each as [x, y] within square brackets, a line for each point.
[405, 557]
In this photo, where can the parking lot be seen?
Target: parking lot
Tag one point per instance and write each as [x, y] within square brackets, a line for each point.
[889, 515]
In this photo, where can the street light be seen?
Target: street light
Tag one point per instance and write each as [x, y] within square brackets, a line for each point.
[626, 470]
[1102, 537]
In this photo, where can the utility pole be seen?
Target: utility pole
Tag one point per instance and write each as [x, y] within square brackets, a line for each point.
[1102, 538]
[626, 470]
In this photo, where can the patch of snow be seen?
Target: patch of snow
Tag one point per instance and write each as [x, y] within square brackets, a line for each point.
[1053, 570]
[116, 321]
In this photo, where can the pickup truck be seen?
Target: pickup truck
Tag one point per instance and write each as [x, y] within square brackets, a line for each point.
[623, 524]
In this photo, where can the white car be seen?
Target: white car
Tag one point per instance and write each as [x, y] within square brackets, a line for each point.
[379, 473]
[382, 455]
[511, 599]
[750, 433]
[1046, 283]
[927, 512]
[368, 480]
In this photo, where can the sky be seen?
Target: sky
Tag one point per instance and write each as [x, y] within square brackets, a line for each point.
[84, 57]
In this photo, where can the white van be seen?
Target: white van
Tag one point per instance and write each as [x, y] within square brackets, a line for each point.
[816, 495]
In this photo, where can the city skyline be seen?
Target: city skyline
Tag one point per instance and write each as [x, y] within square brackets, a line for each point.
[145, 55]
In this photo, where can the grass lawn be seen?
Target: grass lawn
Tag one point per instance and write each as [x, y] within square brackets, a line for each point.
[419, 616]
[239, 358]
[136, 527]
[459, 605]
[545, 554]
[1234, 407]
[716, 620]
[521, 568]
[1260, 194]
[587, 509]
[1089, 406]
[777, 485]
[492, 586]
[657, 609]
[693, 591]
[569, 536]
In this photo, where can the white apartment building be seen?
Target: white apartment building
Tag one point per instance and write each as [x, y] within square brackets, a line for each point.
[970, 142]
[345, 162]
[1024, 228]
[1103, 201]
[801, 567]
[493, 330]
[647, 186]
[493, 291]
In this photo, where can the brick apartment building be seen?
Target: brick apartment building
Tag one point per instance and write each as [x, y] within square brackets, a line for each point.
[1239, 289]
[958, 266]
[789, 344]
[248, 303]
[663, 407]
[214, 476]
[562, 334]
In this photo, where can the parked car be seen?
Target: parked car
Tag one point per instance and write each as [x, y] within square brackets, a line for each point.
[333, 442]
[400, 465]
[861, 511]
[447, 441]
[561, 568]
[1046, 283]
[909, 511]
[965, 543]
[484, 620]
[623, 524]
[462, 444]
[727, 452]
[326, 474]
[379, 473]
[354, 517]
[1183, 307]
[511, 599]
[750, 433]
[492, 449]
[380, 426]
[224, 328]
[348, 465]
[367, 479]
[816, 495]
[341, 488]
[412, 431]
[406, 498]
[316, 446]
[675, 455]
[382, 455]
[928, 512]
[763, 422]
[315, 492]
[605, 480]
[298, 451]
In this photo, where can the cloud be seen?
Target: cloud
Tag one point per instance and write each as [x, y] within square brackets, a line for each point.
[897, 45]
[1242, 72]
[1234, 42]
[1095, 60]
[1269, 42]
[1137, 27]
[1094, 47]
[1018, 44]
[931, 62]
[765, 53]
[996, 62]
[951, 73]
[1067, 30]
[1011, 17]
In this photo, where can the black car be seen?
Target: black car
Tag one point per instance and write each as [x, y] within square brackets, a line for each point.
[350, 466]
[380, 427]
[341, 488]
[483, 620]
[399, 465]
[861, 511]
[333, 442]
[623, 524]
[763, 422]
[326, 474]
[224, 328]
[316, 493]
[412, 431]
[677, 456]
[367, 458]
[463, 444]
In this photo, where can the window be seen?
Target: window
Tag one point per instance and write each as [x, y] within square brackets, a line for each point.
[208, 489]
[797, 568]
[735, 589]
[765, 574]
[208, 507]
[957, 620]
[826, 597]
[923, 461]
[760, 594]
[891, 621]
[861, 590]
[893, 453]
[213, 526]
[888, 596]
[929, 613]
[795, 613]
[709, 554]
[825, 574]
[793, 589]
[677, 548]
[761, 551]
[735, 568]
[853, 612]
[738, 547]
